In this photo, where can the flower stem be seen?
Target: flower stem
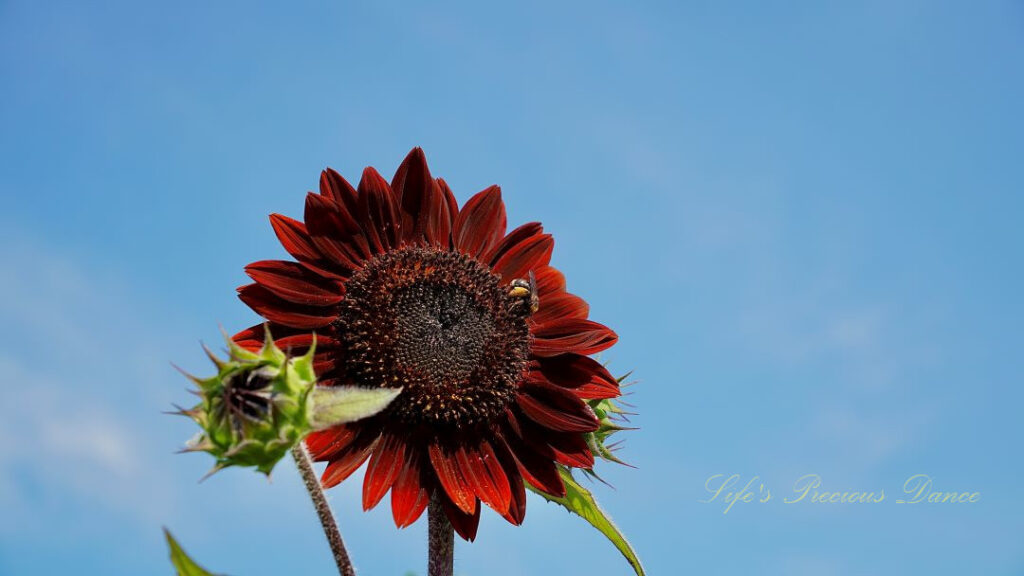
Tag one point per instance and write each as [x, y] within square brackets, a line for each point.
[323, 510]
[441, 555]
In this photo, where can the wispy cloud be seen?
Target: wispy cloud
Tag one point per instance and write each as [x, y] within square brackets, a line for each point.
[59, 447]
[66, 438]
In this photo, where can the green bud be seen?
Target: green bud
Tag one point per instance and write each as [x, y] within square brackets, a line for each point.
[261, 404]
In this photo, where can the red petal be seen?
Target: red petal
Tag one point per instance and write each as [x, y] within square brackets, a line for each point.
[305, 340]
[325, 362]
[598, 390]
[348, 462]
[465, 524]
[481, 222]
[294, 237]
[556, 408]
[299, 345]
[334, 233]
[275, 309]
[454, 484]
[324, 444]
[413, 188]
[513, 421]
[585, 376]
[483, 473]
[549, 280]
[335, 187]
[292, 341]
[536, 469]
[408, 496]
[252, 337]
[443, 210]
[294, 283]
[383, 469]
[572, 335]
[449, 199]
[378, 211]
[517, 491]
[558, 306]
[568, 448]
[525, 256]
[301, 340]
[330, 380]
[571, 450]
[296, 240]
[524, 232]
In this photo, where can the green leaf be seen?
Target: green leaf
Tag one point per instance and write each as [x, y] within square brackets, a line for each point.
[580, 501]
[333, 405]
[182, 563]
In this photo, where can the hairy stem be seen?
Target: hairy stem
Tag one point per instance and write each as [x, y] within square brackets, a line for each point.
[441, 555]
[323, 510]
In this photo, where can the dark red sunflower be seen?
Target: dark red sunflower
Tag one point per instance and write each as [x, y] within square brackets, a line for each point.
[405, 289]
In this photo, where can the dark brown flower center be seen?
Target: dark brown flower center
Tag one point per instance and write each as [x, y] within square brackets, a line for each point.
[442, 326]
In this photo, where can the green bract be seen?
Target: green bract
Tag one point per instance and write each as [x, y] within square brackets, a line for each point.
[261, 404]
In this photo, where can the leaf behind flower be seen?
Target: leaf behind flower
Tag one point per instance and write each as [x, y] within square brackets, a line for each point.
[581, 502]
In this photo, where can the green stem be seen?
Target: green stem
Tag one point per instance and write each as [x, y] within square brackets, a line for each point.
[441, 554]
[323, 510]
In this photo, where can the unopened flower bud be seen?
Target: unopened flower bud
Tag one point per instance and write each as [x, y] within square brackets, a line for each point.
[261, 404]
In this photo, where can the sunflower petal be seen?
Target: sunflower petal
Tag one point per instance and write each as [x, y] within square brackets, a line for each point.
[383, 469]
[294, 283]
[253, 337]
[324, 362]
[278, 310]
[557, 306]
[348, 462]
[333, 233]
[449, 198]
[566, 448]
[294, 342]
[335, 187]
[586, 377]
[413, 188]
[520, 234]
[378, 212]
[408, 496]
[294, 237]
[325, 444]
[458, 490]
[481, 222]
[484, 474]
[572, 335]
[536, 469]
[549, 280]
[524, 257]
[465, 524]
[443, 210]
[517, 491]
[556, 408]
[571, 450]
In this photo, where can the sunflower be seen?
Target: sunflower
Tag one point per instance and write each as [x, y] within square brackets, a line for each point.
[404, 289]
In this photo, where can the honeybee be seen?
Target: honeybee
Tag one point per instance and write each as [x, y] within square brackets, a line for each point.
[526, 291]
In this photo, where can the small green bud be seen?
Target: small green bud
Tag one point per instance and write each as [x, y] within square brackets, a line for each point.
[261, 404]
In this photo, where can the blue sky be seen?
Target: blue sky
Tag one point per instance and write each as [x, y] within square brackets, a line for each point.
[803, 221]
